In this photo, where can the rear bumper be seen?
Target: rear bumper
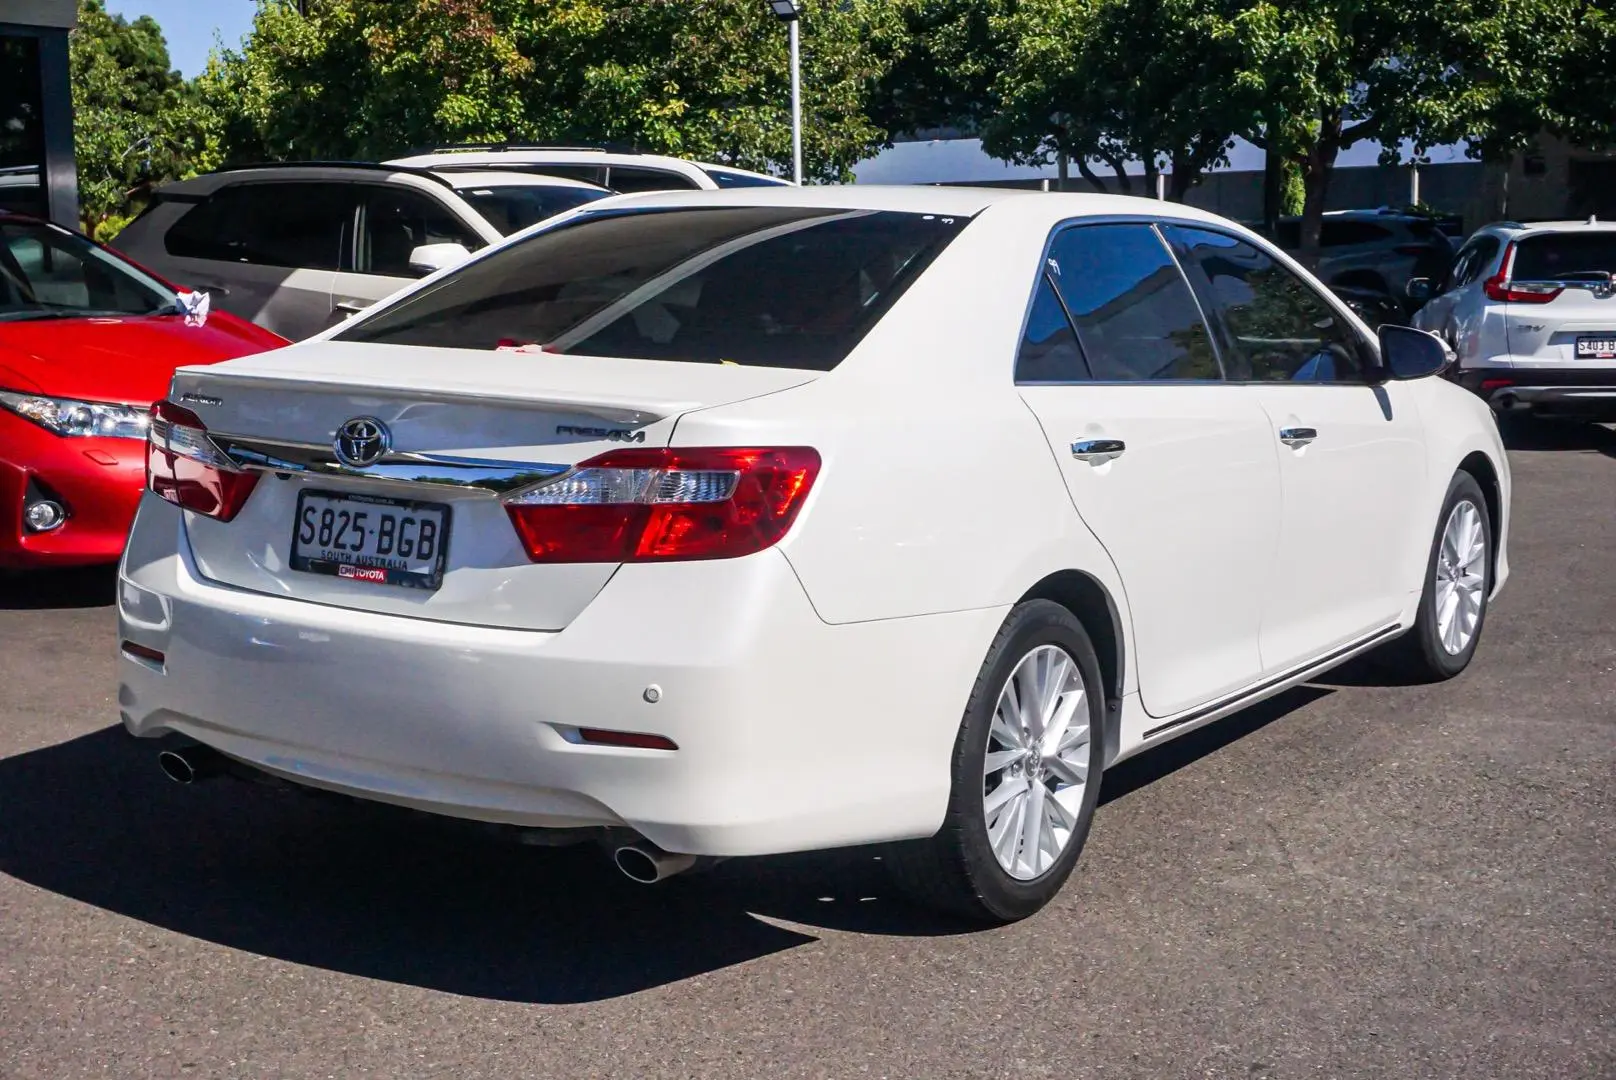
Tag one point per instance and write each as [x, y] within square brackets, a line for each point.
[792, 734]
[98, 481]
[1562, 390]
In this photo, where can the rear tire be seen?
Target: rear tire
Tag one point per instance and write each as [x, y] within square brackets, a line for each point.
[986, 864]
[1458, 582]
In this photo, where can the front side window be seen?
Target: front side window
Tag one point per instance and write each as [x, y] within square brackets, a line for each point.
[297, 224]
[793, 287]
[47, 272]
[510, 208]
[397, 221]
[1134, 314]
[1280, 328]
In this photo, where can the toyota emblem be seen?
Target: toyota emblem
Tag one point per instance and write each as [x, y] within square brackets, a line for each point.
[362, 441]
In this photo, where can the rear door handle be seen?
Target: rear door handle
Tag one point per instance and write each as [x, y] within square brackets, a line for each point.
[213, 287]
[1098, 451]
[1297, 436]
[352, 307]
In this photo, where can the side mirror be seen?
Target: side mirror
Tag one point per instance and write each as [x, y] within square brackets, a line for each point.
[1407, 353]
[1419, 288]
[430, 258]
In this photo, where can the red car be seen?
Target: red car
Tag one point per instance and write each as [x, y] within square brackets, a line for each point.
[88, 340]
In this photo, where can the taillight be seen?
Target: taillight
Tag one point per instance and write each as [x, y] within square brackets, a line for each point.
[1499, 287]
[184, 467]
[650, 505]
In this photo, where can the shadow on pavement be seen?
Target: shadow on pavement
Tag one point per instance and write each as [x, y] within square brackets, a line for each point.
[1529, 433]
[409, 898]
[94, 586]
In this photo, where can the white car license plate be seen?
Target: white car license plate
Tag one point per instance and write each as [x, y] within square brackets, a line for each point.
[1596, 347]
[366, 538]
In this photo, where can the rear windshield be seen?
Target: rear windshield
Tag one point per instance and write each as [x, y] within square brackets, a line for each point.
[513, 207]
[793, 287]
[1564, 255]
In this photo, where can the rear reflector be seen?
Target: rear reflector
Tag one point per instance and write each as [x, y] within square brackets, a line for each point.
[1494, 384]
[184, 467]
[141, 652]
[636, 739]
[665, 504]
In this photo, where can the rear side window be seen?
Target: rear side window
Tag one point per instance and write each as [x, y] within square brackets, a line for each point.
[269, 224]
[1340, 233]
[1564, 255]
[1049, 349]
[786, 287]
[628, 180]
[724, 178]
[1279, 327]
[1134, 314]
[1473, 260]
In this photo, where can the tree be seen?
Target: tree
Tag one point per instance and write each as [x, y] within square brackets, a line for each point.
[1117, 81]
[136, 124]
[372, 78]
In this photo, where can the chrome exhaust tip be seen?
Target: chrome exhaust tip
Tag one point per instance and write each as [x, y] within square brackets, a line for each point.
[648, 864]
[187, 765]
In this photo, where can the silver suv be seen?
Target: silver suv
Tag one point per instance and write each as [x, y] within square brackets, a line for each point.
[298, 247]
[1531, 312]
[1376, 250]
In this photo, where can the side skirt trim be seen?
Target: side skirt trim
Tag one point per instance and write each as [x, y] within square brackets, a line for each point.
[1311, 668]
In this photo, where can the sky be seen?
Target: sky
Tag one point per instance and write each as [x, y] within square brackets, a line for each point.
[191, 25]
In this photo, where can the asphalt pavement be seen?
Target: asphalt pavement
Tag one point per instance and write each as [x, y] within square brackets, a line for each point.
[1353, 880]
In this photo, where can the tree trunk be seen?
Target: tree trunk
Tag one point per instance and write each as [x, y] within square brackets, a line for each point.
[1089, 174]
[1120, 167]
[1316, 169]
[1183, 177]
[1152, 170]
[1273, 184]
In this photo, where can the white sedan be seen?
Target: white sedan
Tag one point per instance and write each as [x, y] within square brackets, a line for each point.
[720, 524]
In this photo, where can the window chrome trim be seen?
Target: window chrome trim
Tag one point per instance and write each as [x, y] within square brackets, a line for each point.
[482, 476]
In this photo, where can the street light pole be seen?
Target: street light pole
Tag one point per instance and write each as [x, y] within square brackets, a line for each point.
[790, 13]
[796, 104]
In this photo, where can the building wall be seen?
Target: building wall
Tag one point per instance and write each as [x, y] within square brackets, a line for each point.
[37, 168]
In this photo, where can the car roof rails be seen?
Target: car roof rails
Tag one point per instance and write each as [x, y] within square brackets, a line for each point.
[373, 166]
[501, 147]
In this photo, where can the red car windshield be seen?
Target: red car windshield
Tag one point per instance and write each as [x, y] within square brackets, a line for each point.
[47, 272]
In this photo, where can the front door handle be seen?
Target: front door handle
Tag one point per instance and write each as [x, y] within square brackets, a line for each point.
[1098, 451]
[1294, 437]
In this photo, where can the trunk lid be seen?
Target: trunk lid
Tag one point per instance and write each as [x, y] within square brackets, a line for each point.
[1580, 260]
[464, 425]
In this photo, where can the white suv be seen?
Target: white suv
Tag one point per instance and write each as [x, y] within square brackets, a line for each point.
[298, 248]
[1531, 312]
[622, 171]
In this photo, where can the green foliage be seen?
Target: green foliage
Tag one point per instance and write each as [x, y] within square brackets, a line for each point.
[705, 79]
[136, 124]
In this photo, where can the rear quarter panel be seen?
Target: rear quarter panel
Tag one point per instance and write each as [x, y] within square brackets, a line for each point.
[938, 490]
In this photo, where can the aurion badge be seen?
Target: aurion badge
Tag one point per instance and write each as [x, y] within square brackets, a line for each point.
[362, 441]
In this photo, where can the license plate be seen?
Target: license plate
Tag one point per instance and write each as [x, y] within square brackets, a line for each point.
[371, 539]
[1596, 347]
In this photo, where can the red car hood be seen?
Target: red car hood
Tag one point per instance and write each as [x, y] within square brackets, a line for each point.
[127, 359]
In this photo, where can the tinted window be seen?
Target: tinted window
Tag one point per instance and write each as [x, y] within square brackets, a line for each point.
[22, 127]
[1545, 258]
[512, 208]
[270, 224]
[1280, 328]
[46, 271]
[1049, 349]
[773, 286]
[397, 221]
[726, 179]
[1339, 233]
[1476, 257]
[628, 180]
[1135, 316]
